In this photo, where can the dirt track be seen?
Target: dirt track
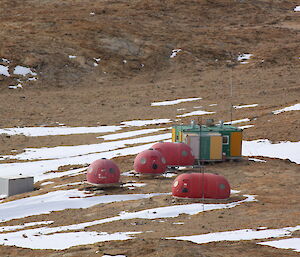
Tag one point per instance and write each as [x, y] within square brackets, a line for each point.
[74, 91]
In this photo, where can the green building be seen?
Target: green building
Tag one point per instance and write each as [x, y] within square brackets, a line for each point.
[210, 142]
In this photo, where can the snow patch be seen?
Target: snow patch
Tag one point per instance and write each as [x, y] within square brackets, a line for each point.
[170, 211]
[4, 70]
[69, 184]
[130, 134]
[243, 57]
[16, 87]
[256, 160]
[4, 60]
[244, 106]
[17, 227]
[154, 213]
[263, 147]
[175, 52]
[58, 201]
[60, 241]
[51, 175]
[194, 113]
[169, 175]
[138, 123]
[59, 152]
[295, 107]
[47, 183]
[49, 238]
[246, 126]
[173, 102]
[56, 131]
[21, 70]
[237, 235]
[37, 168]
[236, 121]
[133, 185]
[290, 243]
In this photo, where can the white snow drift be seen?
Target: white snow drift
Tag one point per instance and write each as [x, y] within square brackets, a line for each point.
[295, 107]
[24, 71]
[263, 147]
[44, 237]
[237, 235]
[145, 122]
[173, 102]
[56, 131]
[194, 113]
[244, 106]
[4, 70]
[130, 134]
[60, 241]
[242, 58]
[175, 52]
[59, 200]
[290, 243]
[59, 152]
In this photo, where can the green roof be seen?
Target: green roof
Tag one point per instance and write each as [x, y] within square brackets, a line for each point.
[204, 128]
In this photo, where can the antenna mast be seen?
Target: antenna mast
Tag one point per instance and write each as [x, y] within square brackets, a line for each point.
[231, 107]
[201, 167]
[231, 66]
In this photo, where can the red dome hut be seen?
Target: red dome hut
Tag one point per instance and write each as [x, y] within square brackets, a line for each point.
[150, 162]
[176, 154]
[103, 173]
[201, 185]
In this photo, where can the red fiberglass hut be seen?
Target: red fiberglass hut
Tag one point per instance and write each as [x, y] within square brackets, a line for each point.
[176, 154]
[150, 162]
[201, 185]
[103, 173]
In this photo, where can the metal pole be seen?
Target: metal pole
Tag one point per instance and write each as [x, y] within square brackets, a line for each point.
[231, 91]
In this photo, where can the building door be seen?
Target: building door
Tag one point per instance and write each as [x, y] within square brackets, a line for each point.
[236, 144]
[216, 147]
[194, 142]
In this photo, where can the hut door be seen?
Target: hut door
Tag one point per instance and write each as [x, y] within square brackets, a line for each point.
[185, 186]
[216, 147]
[194, 142]
[236, 144]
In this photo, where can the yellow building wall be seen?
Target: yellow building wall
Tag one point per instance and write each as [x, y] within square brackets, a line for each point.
[180, 136]
[173, 135]
[236, 144]
[216, 147]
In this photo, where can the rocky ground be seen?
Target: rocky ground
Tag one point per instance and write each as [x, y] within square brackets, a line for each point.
[104, 62]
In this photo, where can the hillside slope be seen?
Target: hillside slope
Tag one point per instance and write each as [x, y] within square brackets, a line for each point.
[90, 63]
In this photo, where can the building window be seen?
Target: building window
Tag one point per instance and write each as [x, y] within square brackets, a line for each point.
[143, 160]
[225, 140]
